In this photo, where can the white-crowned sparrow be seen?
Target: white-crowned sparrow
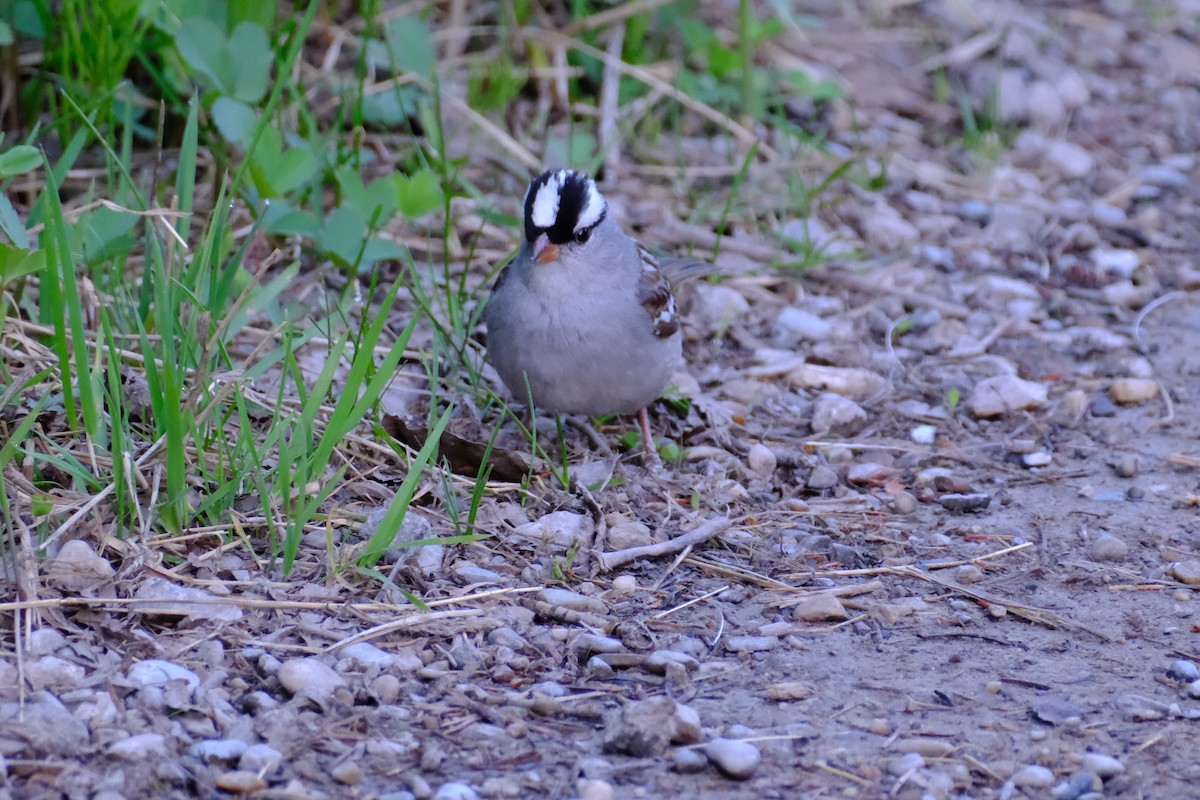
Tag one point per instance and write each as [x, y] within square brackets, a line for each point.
[582, 319]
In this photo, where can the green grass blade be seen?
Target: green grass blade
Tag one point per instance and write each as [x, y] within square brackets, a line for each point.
[354, 403]
[60, 262]
[393, 518]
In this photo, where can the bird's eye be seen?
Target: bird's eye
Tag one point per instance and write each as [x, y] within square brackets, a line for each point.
[583, 235]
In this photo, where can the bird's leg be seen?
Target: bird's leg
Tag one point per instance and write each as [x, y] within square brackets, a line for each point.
[652, 459]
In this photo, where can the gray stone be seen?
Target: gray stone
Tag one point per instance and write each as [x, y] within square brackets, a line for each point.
[77, 567]
[902, 765]
[472, 573]
[751, 644]
[833, 413]
[1117, 261]
[1186, 571]
[163, 597]
[658, 661]
[564, 529]
[1108, 548]
[795, 325]
[218, 749]
[1003, 393]
[163, 683]
[52, 672]
[645, 727]
[715, 307]
[310, 677]
[1183, 670]
[821, 477]
[1034, 775]
[138, 747]
[44, 641]
[1070, 160]
[761, 459]
[365, 653]
[905, 502]
[688, 760]
[455, 791]
[507, 637]
[588, 643]
[46, 724]
[1102, 765]
[564, 598]
[961, 503]
[1047, 111]
[1013, 227]
[736, 759]
[819, 607]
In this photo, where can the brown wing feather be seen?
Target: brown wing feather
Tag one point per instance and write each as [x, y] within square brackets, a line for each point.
[655, 294]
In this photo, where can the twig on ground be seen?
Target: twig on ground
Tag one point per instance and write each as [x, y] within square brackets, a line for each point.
[741, 133]
[876, 286]
[508, 143]
[1166, 396]
[983, 345]
[610, 141]
[1041, 616]
[416, 621]
[693, 601]
[714, 527]
[840, 591]
[1150, 307]
[618, 14]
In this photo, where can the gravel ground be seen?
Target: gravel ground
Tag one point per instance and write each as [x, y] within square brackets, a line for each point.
[947, 500]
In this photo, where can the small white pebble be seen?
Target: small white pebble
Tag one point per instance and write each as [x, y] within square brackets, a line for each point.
[1033, 775]
[1038, 459]
[924, 434]
[1102, 765]
[761, 459]
[624, 584]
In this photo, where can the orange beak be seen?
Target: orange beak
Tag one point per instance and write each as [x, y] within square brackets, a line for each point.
[543, 251]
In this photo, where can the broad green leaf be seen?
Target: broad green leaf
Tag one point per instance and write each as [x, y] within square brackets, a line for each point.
[19, 160]
[6, 33]
[167, 14]
[696, 35]
[723, 60]
[265, 160]
[391, 108]
[378, 249]
[235, 120]
[354, 192]
[296, 167]
[10, 224]
[31, 19]
[16, 262]
[102, 233]
[343, 234]
[375, 202]
[262, 14]
[346, 237]
[281, 217]
[203, 46]
[419, 194]
[410, 46]
[252, 49]
[381, 202]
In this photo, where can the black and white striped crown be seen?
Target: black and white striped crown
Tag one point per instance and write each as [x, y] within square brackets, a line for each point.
[561, 203]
